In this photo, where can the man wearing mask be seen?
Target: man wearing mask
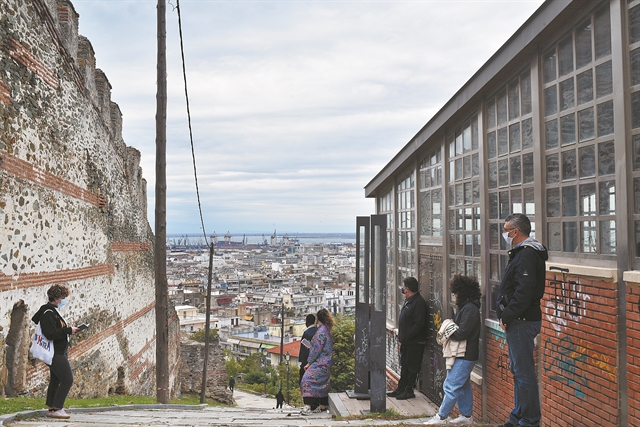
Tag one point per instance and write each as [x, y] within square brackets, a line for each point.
[518, 308]
[412, 336]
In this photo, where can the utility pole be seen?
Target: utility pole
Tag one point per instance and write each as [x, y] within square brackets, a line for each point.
[282, 334]
[206, 329]
[160, 253]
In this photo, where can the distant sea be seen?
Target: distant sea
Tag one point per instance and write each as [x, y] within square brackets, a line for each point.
[254, 238]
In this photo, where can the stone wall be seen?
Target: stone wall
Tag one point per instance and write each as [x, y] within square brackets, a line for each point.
[72, 209]
[192, 362]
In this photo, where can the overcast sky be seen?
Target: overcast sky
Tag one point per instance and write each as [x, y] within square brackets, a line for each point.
[296, 105]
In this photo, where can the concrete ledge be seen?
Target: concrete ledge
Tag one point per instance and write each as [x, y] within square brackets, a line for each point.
[336, 407]
[582, 270]
[631, 277]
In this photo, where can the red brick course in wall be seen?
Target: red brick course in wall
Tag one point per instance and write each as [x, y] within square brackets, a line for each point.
[27, 59]
[30, 280]
[579, 342]
[499, 379]
[130, 246]
[633, 352]
[5, 93]
[25, 170]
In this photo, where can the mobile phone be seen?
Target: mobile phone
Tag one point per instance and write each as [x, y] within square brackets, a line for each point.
[82, 326]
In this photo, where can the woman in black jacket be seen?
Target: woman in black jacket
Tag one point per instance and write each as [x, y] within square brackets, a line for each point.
[56, 329]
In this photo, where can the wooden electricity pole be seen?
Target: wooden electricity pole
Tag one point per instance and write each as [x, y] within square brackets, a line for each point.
[205, 368]
[160, 253]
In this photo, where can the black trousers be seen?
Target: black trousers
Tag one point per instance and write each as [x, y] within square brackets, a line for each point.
[60, 381]
[411, 363]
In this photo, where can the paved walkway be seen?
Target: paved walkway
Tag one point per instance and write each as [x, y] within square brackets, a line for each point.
[251, 411]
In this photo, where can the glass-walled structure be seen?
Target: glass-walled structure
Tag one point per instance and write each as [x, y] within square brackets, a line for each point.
[549, 127]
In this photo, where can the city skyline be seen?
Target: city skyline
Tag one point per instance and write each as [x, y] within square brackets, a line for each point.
[295, 105]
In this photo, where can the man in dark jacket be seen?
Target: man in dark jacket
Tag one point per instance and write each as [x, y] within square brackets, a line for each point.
[305, 343]
[518, 308]
[412, 336]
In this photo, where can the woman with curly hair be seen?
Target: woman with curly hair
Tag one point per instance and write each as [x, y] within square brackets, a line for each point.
[55, 328]
[316, 383]
[457, 385]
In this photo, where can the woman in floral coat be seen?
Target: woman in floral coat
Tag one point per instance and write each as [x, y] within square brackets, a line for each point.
[316, 383]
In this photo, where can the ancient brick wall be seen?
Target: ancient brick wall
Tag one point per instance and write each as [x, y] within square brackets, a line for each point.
[72, 207]
[191, 367]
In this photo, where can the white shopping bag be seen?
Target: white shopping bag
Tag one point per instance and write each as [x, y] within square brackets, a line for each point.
[41, 347]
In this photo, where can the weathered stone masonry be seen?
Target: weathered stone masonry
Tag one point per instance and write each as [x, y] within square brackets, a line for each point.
[72, 209]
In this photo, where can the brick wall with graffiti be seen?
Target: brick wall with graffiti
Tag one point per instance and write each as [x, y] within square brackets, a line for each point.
[579, 342]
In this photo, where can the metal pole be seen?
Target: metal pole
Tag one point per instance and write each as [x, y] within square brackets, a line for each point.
[264, 361]
[288, 395]
[282, 334]
[206, 329]
[160, 250]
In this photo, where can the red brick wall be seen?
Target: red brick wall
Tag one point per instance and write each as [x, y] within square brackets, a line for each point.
[633, 352]
[24, 57]
[498, 377]
[579, 344]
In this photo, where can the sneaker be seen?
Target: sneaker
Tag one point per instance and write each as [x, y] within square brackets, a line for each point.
[306, 410]
[60, 413]
[435, 420]
[462, 420]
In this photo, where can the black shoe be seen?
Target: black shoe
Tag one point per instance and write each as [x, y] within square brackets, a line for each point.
[393, 393]
[406, 394]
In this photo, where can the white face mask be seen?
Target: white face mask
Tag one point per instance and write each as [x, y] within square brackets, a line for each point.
[506, 237]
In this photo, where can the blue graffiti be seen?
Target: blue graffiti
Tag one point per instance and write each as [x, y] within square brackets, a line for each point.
[567, 360]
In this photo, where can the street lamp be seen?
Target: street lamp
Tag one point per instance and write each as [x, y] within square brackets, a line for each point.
[264, 362]
[287, 356]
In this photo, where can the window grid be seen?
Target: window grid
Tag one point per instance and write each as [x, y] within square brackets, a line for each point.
[578, 140]
[431, 194]
[405, 202]
[634, 81]
[464, 200]
[385, 207]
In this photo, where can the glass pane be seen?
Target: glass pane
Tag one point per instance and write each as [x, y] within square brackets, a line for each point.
[553, 168]
[527, 134]
[553, 202]
[635, 66]
[585, 86]
[588, 200]
[549, 66]
[468, 219]
[503, 141]
[606, 158]
[426, 214]
[583, 44]
[586, 124]
[492, 149]
[476, 191]
[565, 56]
[459, 144]
[459, 195]
[605, 118]
[452, 171]
[468, 195]
[570, 201]
[516, 170]
[452, 195]
[635, 110]
[554, 236]
[634, 24]
[527, 168]
[460, 244]
[529, 202]
[491, 114]
[603, 32]
[514, 137]
[550, 100]
[502, 108]
[516, 202]
[452, 147]
[587, 157]
[503, 173]
[607, 203]
[466, 139]
[567, 94]
[466, 166]
[525, 92]
[475, 165]
[514, 100]
[458, 165]
[493, 175]
[551, 134]
[504, 204]
[588, 242]
[493, 205]
[452, 244]
[637, 240]
[636, 152]
[608, 237]
[570, 236]
[476, 246]
[569, 167]
[468, 247]
[604, 80]
[494, 236]
[568, 127]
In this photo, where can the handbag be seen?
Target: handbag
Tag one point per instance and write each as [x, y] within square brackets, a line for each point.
[41, 346]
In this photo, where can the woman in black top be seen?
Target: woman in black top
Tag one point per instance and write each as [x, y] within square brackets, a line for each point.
[56, 329]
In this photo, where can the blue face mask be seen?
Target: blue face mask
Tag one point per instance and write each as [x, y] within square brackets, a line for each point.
[62, 303]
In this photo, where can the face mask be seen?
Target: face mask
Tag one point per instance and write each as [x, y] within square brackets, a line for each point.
[62, 303]
[402, 290]
[506, 238]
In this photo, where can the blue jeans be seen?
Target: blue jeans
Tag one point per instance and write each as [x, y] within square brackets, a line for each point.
[457, 387]
[520, 337]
